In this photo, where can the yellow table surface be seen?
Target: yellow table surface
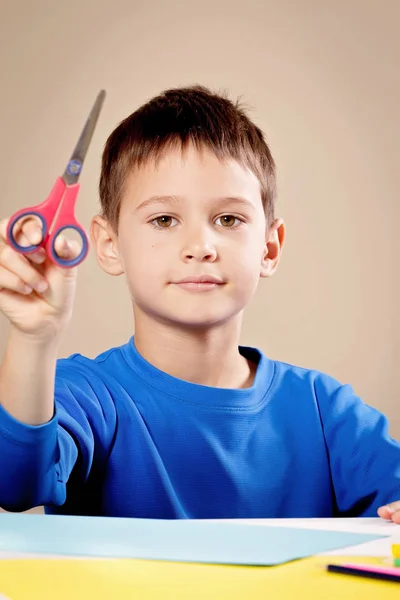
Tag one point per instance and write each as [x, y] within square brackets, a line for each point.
[120, 579]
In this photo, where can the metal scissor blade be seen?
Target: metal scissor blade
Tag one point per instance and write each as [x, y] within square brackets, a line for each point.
[74, 167]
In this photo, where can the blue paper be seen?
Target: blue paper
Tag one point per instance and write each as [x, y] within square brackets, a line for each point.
[172, 540]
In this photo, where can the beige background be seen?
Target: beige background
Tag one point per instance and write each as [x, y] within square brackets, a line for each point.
[322, 77]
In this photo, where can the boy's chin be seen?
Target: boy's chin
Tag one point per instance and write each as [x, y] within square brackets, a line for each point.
[185, 316]
[201, 320]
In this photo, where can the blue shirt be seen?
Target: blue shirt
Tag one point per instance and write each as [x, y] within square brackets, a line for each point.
[129, 440]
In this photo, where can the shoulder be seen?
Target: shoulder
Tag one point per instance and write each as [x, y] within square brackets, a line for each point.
[90, 386]
[91, 379]
[336, 401]
[292, 376]
[300, 382]
[108, 361]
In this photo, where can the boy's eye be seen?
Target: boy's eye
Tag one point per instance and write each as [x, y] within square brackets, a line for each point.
[164, 221]
[229, 221]
[226, 221]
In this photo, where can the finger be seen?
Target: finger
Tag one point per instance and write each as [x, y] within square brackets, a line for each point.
[396, 517]
[3, 229]
[393, 506]
[27, 231]
[383, 512]
[66, 249]
[31, 230]
[11, 282]
[21, 268]
[37, 257]
[388, 510]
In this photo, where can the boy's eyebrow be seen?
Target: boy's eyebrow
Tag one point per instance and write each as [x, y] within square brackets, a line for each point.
[177, 199]
[157, 200]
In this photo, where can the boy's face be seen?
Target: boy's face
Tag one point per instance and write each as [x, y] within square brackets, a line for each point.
[191, 216]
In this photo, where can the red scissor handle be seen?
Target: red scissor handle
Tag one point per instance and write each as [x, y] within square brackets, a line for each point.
[46, 211]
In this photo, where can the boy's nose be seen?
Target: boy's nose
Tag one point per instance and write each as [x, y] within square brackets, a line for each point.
[199, 249]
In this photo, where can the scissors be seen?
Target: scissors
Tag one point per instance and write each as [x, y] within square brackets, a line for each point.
[57, 212]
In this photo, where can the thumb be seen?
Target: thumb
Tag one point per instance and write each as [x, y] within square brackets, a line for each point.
[62, 280]
[66, 249]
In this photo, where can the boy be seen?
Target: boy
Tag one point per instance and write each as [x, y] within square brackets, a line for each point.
[179, 422]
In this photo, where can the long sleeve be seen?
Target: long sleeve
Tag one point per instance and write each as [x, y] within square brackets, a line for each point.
[36, 462]
[364, 459]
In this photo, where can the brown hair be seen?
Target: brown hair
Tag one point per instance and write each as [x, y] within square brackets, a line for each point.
[183, 116]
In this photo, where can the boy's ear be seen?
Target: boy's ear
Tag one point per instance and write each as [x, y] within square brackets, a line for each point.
[104, 240]
[274, 240]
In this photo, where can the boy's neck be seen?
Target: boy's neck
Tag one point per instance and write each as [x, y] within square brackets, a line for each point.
[206, 357]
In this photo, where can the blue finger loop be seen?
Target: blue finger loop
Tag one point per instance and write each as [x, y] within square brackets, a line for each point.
[26, 249]
[73, 261]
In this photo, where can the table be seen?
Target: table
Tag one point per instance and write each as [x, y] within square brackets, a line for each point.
[151, 580]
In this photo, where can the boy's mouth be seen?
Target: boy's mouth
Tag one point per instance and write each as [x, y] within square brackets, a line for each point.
[200, 283]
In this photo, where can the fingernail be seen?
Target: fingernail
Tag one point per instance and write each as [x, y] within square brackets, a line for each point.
[27, 289]
[390, 509]
[40, 256]
[41, 286]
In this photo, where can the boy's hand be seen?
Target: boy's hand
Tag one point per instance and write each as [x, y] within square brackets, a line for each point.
[390, 512]
[35, 294]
